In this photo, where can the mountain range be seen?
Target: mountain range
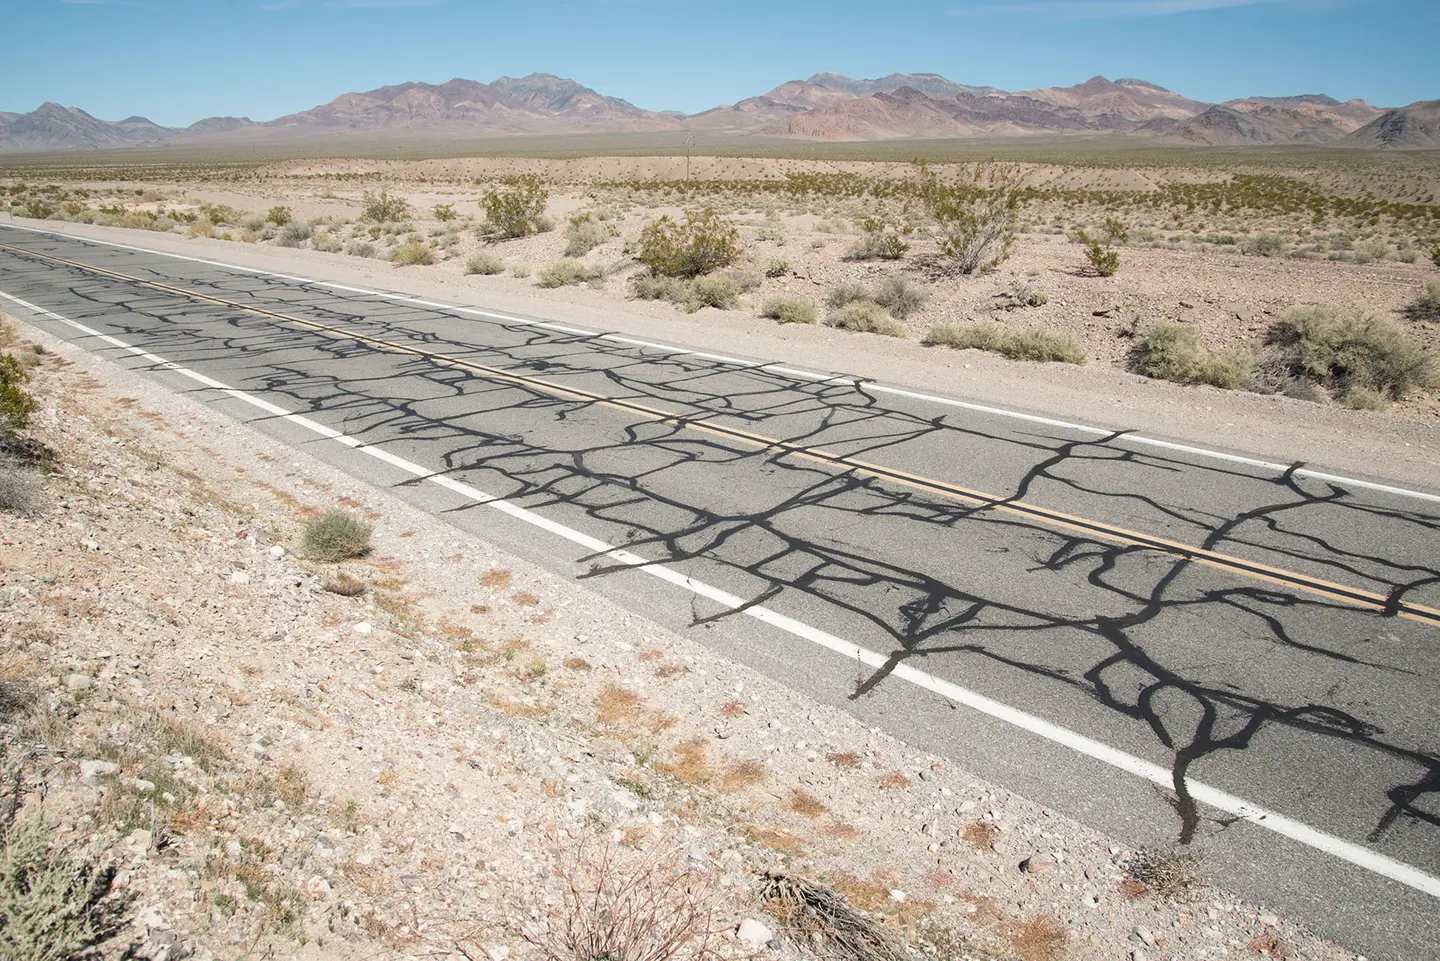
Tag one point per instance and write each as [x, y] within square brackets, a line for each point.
[827, 106]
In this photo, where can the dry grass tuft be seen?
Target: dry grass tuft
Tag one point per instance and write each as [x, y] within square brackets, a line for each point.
[805, 804]
[1172, 876]
[894, 781]
[693, 763]
[577, 664]
[982, 834]
[742, 775]
[844, 759]
[616, 705]
[776, 839]
[1042, 938]
[497, 577]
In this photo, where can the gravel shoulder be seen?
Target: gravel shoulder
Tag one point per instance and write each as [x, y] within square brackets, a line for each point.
[277, 770]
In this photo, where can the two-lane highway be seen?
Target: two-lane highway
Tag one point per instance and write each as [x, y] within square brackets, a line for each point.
[1174, 645]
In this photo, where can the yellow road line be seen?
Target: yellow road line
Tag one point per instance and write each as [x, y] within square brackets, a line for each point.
[1052, 518]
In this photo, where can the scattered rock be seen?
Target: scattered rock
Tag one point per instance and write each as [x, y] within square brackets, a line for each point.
[92, 771]
[1037, 864]
[75, 683]
[753, 932]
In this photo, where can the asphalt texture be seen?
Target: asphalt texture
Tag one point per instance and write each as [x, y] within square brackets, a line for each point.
[1298, 700]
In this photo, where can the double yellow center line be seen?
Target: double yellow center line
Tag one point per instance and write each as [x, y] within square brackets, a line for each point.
[1394, 605]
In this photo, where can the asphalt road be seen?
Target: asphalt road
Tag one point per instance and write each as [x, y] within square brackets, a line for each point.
[1171, 646]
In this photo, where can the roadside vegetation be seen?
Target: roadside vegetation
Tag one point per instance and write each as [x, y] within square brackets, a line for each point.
[1035, 345]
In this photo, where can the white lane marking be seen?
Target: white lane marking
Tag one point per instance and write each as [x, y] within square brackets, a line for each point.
[1124, 438]
[1225, 802]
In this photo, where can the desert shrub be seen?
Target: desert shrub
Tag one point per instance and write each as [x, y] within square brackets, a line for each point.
[279, 216]
[1035, 345]
[1353, 353]
[790, 310]
[652, 287]
[517, 207]
[977, 220]
[1023, 295]
[383, 208]
[486, 264]
[1173, 352]
[412, 253]
[294, 234]
[716, 291]
[701, 244]
[338, 535]
[360, 248]
[201, 228]
[1435, 255]
[585, 233]
[444, 212]
[566, 272]
[848, 292]
[1427, 305]
[1265, 245]
[53, 903]
[327, 243]
[876, 243]
[1407, 256]
[18, 495]
[253, 222]
[866, 318]
[779, 267]
[899, 297]
[16, 404]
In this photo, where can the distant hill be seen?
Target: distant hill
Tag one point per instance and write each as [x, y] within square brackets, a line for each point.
[827, 106]
[1416, 127]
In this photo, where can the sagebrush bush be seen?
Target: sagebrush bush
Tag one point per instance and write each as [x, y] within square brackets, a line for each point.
[279, 216]
[877, 243]
[327, 243]
[294, 234]
[1034, 345]
[790, 310]
[847, 292]
[337, 536]
[413, 253]
[867, 318]
[53, 903]
[586, 232]
[18, 495]
[718, 291]
[16, 403]
[900, 297]
[383, 208]
[1427, 305]
[1355, 354]
[444, 212]
[704, 242]
[652, 287]
[566, 272]
[485, 264]
[517, 207]
[978, 220]
[1173, 352]
[360, 248]
[1265, 245]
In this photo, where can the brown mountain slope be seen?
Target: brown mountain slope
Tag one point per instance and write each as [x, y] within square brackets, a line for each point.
[927, 83]
[1134, 100]
[53, 127]
[1415, 127]
[911, 113]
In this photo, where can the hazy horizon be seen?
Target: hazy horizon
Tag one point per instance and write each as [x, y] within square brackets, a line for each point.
[264, 60]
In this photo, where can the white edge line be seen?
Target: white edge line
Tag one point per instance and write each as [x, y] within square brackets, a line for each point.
[1339, 848]
[1128, 438]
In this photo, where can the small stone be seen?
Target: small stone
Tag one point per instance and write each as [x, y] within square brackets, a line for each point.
[364, 627]
[318, 888]
[277, 552]
[142, 785]
[91, 545]
[897, 895]
[93, 771]
[1138, 955]
[79, 682]
[139, 838]
[1144, 935]
[239, 577]
[1037, 864]
[497, 952]
[1270, 920]
[753, 932]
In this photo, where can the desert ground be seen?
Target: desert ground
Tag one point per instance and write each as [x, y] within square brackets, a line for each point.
[413, 751]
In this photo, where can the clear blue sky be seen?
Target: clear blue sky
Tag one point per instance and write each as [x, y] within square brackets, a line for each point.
[176, 61]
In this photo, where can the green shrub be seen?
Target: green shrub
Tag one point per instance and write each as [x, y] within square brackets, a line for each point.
[53, 903]
[413, 253]
[866, 318]
[445, 212]
[716, 291]
[1023, 295]
[978, 220]
[779, 267]
[790, 310]
[327, 243]
[16, 404]
[279, 216]
[486, 264]
[1035, 345]
[383, 208]
[1435, 255]
[899, 297]
[564, 273]
[1173, 352]
[1427, 305]
[517, 207]
[1351, 353]
[585, 233]
[876, 243]
[337, 536]
[652, 287]
[701, 244]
